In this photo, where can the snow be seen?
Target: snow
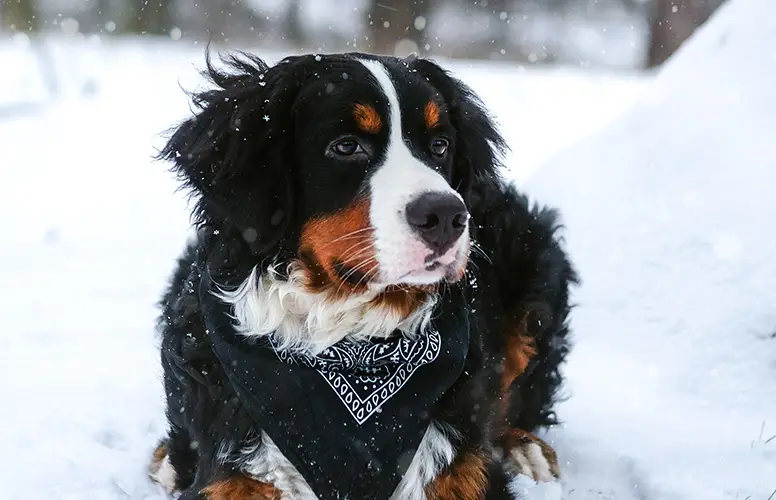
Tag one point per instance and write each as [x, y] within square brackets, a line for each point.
[664, 187]
[667, 214]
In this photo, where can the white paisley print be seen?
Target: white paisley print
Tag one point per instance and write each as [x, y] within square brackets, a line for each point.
[364, 375]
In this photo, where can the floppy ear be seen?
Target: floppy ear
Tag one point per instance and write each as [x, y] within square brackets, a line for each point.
[479, 146]
[236, 153]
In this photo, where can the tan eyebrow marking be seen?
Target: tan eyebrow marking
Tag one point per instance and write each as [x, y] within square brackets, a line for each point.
[367, 118]
[431, 114]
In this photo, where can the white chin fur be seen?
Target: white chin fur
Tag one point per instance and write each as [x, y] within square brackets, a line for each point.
[308, 321]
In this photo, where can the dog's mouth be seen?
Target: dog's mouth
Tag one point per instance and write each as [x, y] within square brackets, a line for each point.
[433, 271]
[433, 266]
[450, 263]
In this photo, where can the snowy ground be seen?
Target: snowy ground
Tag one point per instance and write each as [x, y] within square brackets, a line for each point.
[670, 377]
[669, 217]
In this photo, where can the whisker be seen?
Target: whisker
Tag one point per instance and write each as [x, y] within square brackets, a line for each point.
[478, 248]
[362, 264]
[349, 235]
[354, 270]
[345, 278]
[344, 256]
[352, 233]
[354, 256]
[366, 274]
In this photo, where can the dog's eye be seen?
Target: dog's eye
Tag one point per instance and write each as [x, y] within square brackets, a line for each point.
[346, 147]
[439, 147]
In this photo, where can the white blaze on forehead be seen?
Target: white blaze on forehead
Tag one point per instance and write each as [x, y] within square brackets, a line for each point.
[398, 158]
[398, 180]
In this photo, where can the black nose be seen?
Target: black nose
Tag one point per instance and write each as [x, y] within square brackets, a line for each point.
[438, 218]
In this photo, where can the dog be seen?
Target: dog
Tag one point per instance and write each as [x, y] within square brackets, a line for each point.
[367, 310]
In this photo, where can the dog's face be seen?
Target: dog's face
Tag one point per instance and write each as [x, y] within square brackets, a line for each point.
[375, 168]
[357, 166]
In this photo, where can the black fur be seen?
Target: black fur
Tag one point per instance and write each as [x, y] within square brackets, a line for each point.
[252, 198]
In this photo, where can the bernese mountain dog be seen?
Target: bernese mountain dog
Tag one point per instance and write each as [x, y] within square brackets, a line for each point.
[367, 310]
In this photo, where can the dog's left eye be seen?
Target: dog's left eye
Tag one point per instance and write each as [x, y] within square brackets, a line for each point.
[346, 147]
[439, 147]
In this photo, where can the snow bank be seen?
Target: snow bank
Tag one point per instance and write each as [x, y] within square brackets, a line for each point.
[669, 215]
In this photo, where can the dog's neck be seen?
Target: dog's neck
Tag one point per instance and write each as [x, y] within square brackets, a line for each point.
[282, 305]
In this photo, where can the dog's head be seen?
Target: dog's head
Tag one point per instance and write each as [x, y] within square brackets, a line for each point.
[351, 174]
[357, 165]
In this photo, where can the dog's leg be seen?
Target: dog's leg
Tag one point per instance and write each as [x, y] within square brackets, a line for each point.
[464, 479]
[523, 452]
[475, 476]
[527, 455]
[173, 464]
[532, 274]
[161, 470]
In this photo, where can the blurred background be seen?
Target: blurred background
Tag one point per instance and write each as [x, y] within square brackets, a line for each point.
[612, 114]
[630, 34]
[551, 71]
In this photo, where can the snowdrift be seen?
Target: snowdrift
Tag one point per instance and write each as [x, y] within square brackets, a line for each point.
[669, 215]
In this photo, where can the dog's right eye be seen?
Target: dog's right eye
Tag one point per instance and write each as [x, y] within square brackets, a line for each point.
[346, 147]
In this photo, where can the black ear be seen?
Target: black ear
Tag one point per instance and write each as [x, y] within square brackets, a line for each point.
[479, 147]
[236, 153]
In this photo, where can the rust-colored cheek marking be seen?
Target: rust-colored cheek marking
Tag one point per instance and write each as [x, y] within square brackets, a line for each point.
[342, 238]
[431, 114]
[465, 479]
[241, 488]
[367, 118]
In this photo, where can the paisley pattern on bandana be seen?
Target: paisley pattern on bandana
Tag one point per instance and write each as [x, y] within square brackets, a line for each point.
[364, 375]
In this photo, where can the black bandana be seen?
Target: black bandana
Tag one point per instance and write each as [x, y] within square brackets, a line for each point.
[351, 418]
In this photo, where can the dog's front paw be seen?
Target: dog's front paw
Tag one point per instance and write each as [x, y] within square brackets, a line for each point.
[527, 455]
[161, 470]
